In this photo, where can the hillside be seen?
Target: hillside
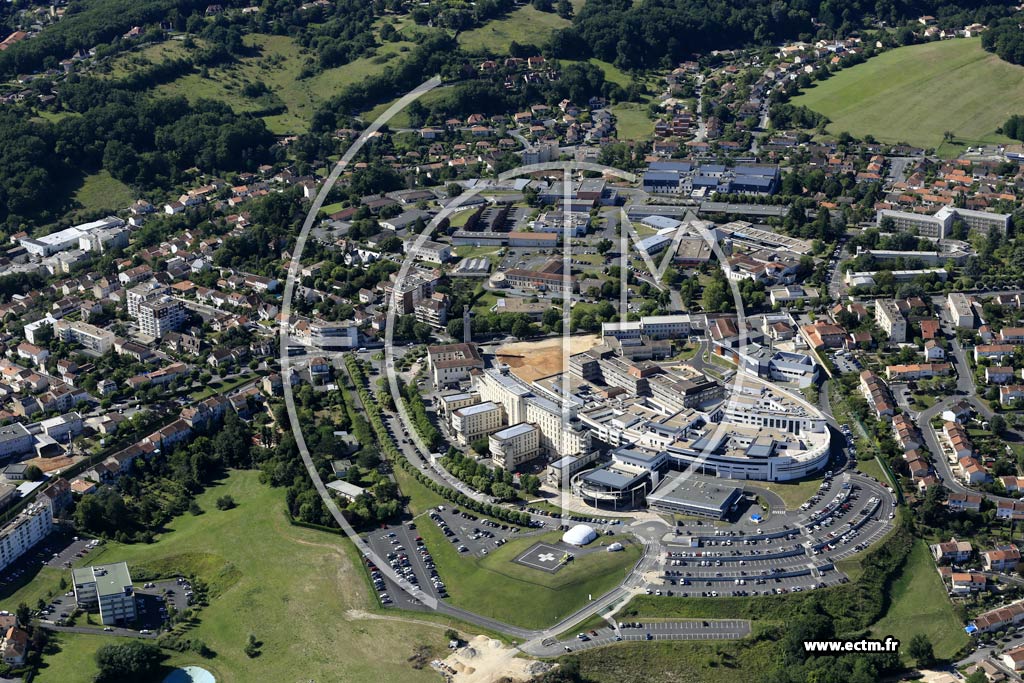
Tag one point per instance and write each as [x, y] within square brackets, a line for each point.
[914, 94]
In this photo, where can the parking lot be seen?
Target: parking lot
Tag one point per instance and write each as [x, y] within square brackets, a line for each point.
[846, 362]
[58, 550]
[790, 552]
[688, 629]
[400, 546]
[471, 533]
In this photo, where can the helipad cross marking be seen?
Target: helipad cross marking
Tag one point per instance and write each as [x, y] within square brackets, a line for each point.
[546, 557]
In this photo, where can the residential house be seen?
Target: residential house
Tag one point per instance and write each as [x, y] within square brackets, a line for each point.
[964, 583]
[951, 551]
[1002, 558]
[963, 502]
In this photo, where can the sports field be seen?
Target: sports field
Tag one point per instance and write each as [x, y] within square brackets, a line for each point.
[915, 94]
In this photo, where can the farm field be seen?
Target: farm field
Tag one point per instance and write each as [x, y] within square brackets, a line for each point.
[297, 590]
[914, 94]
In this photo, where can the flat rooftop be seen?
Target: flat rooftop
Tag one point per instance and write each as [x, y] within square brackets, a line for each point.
[615, 480]
[694, 490]
[111, 579]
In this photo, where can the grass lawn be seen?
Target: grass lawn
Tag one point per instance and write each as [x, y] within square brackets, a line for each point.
[525, 25]
[30, 588]
[496, 587]
[687, 352]
[680, 662]
[78, 193]
[290, 587]
[631, 122]
[328, 209]
[920, 80]
[793, 493]
[466, 251]
[76, 659]
[870, 467]
[919, 605]
[612, 73]
[219, 386]
[924, 401]
[401, 119]
[102, 192]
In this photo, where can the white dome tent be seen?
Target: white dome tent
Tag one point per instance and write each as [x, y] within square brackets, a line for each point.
[581, 534]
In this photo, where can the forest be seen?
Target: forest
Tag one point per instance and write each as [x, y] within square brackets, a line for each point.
[662, 33]
[1006, 40]
[146, 142]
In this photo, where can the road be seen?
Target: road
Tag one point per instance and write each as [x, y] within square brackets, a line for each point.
[966, 391]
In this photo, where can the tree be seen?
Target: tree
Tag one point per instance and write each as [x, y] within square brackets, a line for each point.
[921, 650]
[252, 647]
[530, 484]
[225, 503]
[33, 473]
[23, 614]
[977, 677]
[604, 246]
[522, 328]
[135, 660]
[997, 424]
[194, 508]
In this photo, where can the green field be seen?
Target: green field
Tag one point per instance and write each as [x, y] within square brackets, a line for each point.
[914, 94]
[30, 587]
[680, 662]
[793, 493]
[919, 605]
[525, 25]
[76, 658]
[631, 122]
[496, 587]
[278, 61]
[82, 196]
[219, 386]
[292, 588]
[870, 467]
[102, 192]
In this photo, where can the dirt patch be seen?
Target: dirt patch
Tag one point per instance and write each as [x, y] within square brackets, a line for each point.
[532, 360]
[486, 660]
[51, 464]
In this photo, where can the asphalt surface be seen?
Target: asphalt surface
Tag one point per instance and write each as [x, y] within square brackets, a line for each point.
[792, 549]
[688, 629]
